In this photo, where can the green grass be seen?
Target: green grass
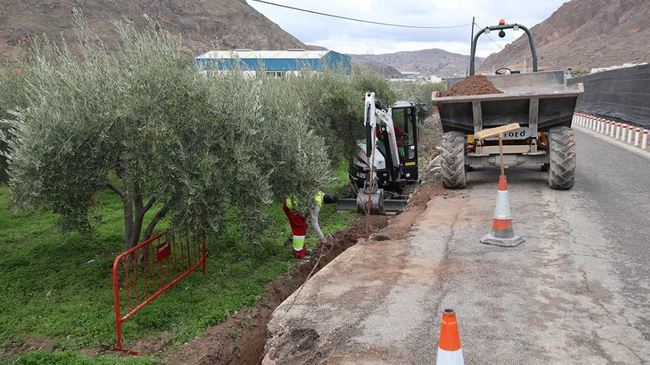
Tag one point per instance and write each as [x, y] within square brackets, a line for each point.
[57, 287]
[74, 358]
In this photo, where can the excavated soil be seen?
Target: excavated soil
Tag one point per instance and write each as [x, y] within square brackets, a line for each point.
[241, 338]
[473, 85]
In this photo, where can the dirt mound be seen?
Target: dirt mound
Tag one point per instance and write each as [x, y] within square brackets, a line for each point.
[473, 85]
[241, 338]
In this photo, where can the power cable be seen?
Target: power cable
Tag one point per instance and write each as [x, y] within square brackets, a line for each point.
[361, 20]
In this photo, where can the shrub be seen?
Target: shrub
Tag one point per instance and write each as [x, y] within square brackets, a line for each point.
[142, 122]
[419, 93]
[12, 99]
[334, 104]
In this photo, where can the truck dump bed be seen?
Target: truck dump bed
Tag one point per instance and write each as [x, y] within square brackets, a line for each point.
[539, 101]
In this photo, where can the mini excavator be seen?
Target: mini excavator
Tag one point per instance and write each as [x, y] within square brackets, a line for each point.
[384, 167]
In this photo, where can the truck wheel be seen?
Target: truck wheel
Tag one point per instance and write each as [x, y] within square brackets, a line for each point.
[562, 158]
[453, 160]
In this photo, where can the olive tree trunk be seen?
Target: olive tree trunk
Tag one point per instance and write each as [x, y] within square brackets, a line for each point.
[135, 211]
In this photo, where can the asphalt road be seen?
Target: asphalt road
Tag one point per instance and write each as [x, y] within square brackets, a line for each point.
[577, 291]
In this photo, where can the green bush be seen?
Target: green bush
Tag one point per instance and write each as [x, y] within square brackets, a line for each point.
[334, 104]
[12, 99]
[169, 141]
[419, 93]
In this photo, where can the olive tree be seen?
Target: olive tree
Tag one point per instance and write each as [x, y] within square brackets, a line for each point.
[334, 104]
[11, 101]
[419, 92]
[169, 141]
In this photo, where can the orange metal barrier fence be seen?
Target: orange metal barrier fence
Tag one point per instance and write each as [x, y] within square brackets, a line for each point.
[147, 270]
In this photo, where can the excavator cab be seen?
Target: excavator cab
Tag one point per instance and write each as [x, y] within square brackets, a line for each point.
[405, 120]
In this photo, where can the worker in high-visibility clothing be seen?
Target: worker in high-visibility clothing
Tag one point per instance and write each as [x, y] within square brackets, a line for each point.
[298, 223]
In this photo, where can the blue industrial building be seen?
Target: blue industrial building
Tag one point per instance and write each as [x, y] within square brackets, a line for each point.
[275, 63]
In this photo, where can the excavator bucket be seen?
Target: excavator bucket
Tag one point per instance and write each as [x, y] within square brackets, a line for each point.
[373, 201]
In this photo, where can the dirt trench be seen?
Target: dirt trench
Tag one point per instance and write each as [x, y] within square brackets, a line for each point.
[240, 339]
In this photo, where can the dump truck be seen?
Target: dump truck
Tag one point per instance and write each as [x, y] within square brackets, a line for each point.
[540, 101]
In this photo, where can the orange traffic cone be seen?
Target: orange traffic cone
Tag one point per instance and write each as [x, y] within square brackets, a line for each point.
[449, 350]
[502, 233]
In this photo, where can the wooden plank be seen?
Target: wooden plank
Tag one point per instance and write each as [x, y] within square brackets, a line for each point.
[491, 132]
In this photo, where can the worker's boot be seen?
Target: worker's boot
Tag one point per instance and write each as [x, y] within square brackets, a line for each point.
[302, 254]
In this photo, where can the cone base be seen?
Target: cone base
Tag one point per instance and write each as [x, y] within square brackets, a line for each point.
[491, 239]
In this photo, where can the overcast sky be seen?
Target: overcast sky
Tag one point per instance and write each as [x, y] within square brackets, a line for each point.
[352, 37]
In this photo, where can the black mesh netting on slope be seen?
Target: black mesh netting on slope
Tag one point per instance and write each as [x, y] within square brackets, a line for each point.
[622, 94]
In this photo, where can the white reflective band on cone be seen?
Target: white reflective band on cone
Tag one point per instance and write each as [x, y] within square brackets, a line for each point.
[450, 357]
[502, 210]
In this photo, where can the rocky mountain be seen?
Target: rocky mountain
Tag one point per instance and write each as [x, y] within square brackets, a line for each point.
[379, 68]
[583, 34]
[427, 61]
[204, 24]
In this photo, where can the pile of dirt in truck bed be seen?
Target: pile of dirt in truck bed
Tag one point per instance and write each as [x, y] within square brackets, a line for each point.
[473, 85]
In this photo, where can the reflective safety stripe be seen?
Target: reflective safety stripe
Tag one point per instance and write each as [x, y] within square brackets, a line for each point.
[502, 210]
[450, 357]
[291, 204]
[298, 243]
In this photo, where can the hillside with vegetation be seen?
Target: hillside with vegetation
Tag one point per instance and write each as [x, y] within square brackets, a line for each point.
[583, 34]
[427, 62]
[204, 25]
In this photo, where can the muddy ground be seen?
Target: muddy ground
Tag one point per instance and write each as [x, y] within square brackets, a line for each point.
[241, 338]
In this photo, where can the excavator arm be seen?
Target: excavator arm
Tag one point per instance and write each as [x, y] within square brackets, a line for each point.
[378, 118]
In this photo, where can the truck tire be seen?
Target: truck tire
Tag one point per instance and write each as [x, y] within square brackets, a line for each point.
[562, 158]
[452, 160]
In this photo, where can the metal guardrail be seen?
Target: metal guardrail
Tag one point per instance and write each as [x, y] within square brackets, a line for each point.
[147, 270]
